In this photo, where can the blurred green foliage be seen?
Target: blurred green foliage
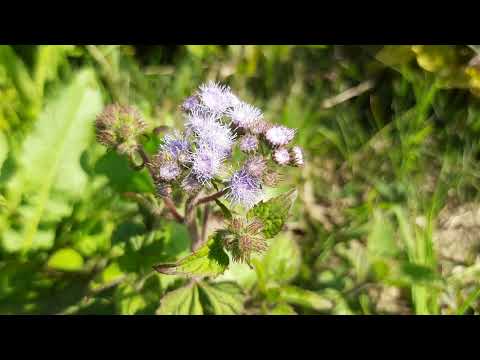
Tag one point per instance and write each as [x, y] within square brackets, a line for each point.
[391, 135]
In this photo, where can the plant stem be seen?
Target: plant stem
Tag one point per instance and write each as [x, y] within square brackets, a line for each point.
[211, 197]
[191, 221]
[206, 216]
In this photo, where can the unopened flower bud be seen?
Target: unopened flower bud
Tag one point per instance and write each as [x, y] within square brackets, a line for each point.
[118, 127]
[242, 239]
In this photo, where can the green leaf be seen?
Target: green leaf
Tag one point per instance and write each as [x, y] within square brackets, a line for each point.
[273, 213]
[66, 260]
[128, 301]
[226, 213]
[282, 260]
[3, 149]
[18, 72]
[381, 240]
[48, 60]
[224, 298]
[50, 176]
[209, 260]
[297, 296]
[182, 301]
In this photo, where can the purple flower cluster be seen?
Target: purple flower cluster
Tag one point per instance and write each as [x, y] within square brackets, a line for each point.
[216, 122]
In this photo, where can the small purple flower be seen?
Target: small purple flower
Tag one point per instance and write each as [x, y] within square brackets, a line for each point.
[255, 166]
[210, 132]
[169, 171]
[281, 156]
[216, 98]
[297, 155]
[244, 189]
[190, 104]
[244, 115]
[249, 143]
[175, 144]
[206, 163]
[279, 135]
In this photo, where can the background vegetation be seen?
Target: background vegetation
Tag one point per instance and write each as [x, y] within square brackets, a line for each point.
[387, 219]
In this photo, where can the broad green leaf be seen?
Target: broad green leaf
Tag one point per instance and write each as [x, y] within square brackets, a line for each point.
[273, 213]
[282, 260]
[182, 301]
[50, 176]
[297, 296]
[224, 298]
[209, 260]
[65, 260]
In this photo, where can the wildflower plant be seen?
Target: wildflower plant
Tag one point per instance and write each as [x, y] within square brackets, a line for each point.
[225, 156]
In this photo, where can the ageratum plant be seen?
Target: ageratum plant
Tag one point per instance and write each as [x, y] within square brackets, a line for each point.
[224, 156]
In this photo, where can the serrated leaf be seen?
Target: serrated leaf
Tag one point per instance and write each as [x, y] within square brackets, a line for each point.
[182, 301]
[273, 213]
[209, 260]
[65, 260]
[224, 298]
[297, 296]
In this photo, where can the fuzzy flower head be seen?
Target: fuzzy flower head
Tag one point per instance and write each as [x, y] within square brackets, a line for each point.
[297, 155]
[244, 189]
[243, 239]
[190, 104]
[281, 156]
[210, 132]
[216, 98]
[169, 171]
[175, 145]
[279, 135]
[244, 115]
[206, 163]
[249, 143]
